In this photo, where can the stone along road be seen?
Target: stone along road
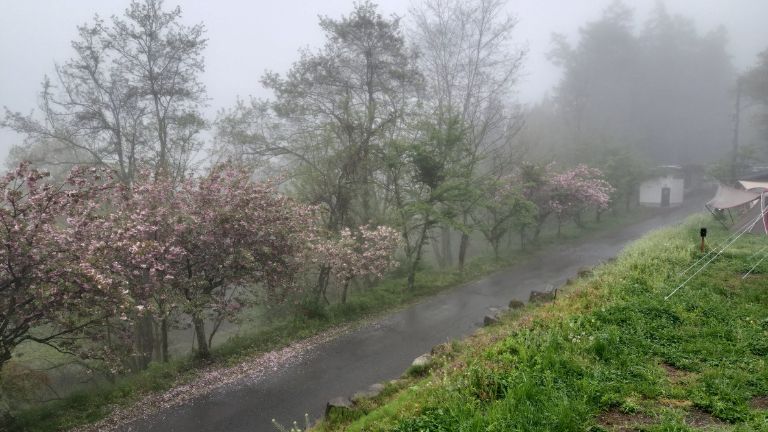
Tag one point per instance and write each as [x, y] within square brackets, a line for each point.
[384, 348]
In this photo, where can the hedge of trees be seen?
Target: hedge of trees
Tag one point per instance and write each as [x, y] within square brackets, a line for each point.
[94, 267]
[90, 265]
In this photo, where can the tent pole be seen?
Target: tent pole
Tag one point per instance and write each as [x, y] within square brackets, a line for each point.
[762, 210]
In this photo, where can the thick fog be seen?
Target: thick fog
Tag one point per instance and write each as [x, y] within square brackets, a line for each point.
[247, 38]
[207, 180]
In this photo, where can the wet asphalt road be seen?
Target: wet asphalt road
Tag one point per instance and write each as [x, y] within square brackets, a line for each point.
[383, 349]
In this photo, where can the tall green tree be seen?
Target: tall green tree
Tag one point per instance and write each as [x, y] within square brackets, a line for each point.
[333, 114]
[424, 184]
[350, 95]
[685, 103]
[596, 92]
[471, 66]
[503, 208]
[663, 90]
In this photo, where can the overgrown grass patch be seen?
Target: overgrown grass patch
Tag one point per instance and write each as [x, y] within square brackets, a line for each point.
[612, 354]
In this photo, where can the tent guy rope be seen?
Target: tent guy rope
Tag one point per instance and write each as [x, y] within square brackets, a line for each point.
[748, 228]
[765, 255]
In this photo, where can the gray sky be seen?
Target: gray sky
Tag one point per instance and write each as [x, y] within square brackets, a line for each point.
[246, 37]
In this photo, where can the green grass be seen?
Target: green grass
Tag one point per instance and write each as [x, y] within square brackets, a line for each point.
[610, 354]
[91, 404]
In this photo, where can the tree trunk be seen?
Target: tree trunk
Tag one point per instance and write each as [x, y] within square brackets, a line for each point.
[202, 343]
[107, 328]
[216, 324]
[145, 345]
[156, 341]
[344, 293]
[322, 283]
[447, 248]
[164, 339]
[5, 355]
[412, 276]
[463, 246]
[438, 251]
[540, 220]
[522, 238]
[417, 258]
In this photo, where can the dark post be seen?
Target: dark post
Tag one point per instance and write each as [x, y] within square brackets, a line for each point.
[736, 122]
[703, 233]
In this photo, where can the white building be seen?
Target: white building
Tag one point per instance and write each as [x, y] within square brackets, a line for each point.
[664, 189]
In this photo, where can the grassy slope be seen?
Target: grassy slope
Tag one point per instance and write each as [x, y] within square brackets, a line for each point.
[611, 354]
[94, 404]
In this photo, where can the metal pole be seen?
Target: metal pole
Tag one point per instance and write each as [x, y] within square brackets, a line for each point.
[737, 121]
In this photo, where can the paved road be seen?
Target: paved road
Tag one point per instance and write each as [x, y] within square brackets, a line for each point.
[384, 349]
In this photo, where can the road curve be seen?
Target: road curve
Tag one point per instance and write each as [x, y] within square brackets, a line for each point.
[383, 349]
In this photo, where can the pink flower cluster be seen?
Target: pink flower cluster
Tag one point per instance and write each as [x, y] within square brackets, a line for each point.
[44, 278]
[366, 252]
[188, 245]
[92, 249]
[579, 188]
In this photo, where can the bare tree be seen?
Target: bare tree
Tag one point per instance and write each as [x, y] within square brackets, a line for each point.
[163, 59]
[130, 77]
[252, 134]
[91, 115]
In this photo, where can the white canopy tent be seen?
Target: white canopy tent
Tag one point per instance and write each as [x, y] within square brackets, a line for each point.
[754, 185]
[748, 205]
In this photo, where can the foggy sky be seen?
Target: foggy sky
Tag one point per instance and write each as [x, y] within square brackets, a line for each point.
[247, 37]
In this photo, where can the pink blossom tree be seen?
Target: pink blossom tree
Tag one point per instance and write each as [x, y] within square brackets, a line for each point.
[93, 253]
[564, 194]
[576, 190]
[49, 291]
[368, 252]
[535, 182]
[235, 234]
[202, 249]
[134, 245]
